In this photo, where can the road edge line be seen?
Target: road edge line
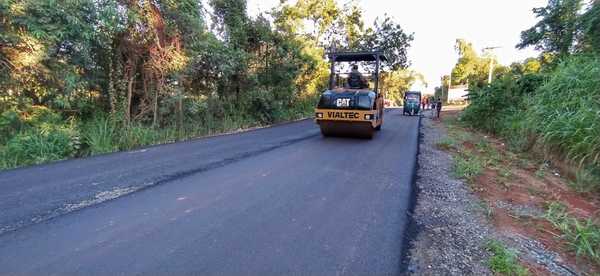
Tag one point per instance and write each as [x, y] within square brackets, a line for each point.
[411, 229]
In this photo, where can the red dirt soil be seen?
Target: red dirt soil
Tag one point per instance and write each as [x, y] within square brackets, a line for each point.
[523, 187]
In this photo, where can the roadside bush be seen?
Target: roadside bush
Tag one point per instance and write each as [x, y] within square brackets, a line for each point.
[494, 110]
[13, 121]
[514, 129]
[565, 112]
[39, 134]
[560, 111]
[499, 108]
[10, 124]
[100, 134]
[40, 145]
[136, 136]
[36, 135]
[37, 115]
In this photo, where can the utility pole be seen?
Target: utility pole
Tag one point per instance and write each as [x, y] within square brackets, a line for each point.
[449, 85]
[491, 71]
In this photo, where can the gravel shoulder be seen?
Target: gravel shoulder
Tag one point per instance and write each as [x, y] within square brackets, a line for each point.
[504, 202]
[451, 230]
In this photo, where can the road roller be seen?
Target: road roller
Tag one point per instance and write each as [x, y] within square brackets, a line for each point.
[353, 105]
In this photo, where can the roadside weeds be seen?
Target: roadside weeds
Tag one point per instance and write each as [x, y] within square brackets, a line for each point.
[551, 227]
[451, 232]
[503, 260]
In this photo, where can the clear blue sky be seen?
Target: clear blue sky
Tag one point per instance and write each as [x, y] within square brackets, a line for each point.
[437, 24]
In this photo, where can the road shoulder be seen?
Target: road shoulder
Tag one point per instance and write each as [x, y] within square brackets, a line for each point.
[451, 234]
[484, 209]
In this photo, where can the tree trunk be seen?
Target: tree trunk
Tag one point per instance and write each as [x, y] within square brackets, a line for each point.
[128, 101]
[111, 85]
[155, 103]
[180, 112]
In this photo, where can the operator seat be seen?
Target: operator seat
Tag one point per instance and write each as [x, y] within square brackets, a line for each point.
[355, 80]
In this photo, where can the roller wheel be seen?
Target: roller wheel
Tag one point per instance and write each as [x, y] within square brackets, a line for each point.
[324, 132]
[369, 134]
[346, 129]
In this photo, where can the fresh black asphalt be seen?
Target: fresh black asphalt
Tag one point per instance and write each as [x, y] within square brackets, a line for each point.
[280, 200]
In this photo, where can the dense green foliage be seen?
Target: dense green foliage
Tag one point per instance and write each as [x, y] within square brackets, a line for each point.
[550, 104]
[566, 109]
[557, 111]
[81, 77]
[471, 69]
[556, 31]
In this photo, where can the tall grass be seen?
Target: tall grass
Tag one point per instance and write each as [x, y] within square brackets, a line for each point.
[583, 236]
[39, 146]
[38, 135]
[566, 110]
[99, 135]
[558, 110]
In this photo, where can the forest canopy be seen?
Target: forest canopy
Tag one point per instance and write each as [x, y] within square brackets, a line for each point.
[163, 70]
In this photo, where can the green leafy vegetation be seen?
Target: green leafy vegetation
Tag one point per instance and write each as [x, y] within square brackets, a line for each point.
[586, 180]
[115, 75]
[550, 104]
[556, 111]
[446, 143]
[467, 167]
[504, 261]
[583, 236]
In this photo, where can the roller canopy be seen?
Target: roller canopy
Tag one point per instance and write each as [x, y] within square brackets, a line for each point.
[356, 56]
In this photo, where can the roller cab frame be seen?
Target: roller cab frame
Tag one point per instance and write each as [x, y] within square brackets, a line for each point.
[345, 110]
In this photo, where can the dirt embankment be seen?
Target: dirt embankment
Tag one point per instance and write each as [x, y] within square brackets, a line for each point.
[451, 234]
[524, 203]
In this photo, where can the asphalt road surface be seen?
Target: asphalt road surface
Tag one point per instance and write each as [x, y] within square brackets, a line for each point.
[280, 200]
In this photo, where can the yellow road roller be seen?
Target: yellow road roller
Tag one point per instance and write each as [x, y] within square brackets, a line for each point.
[353, 105]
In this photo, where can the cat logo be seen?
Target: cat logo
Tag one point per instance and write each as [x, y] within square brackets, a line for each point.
[342, 102]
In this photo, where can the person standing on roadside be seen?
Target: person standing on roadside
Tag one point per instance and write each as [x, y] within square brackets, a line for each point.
[438, 107]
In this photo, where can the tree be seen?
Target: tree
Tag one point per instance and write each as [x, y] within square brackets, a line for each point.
[313, 19]
[395, 83]
[557, 29]
[45, 50]
[471, 68]
[231, 18]
[590, 28]
[353, 25]
[344, 28]
[390, 38]
[469, 63]
[528, 66]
